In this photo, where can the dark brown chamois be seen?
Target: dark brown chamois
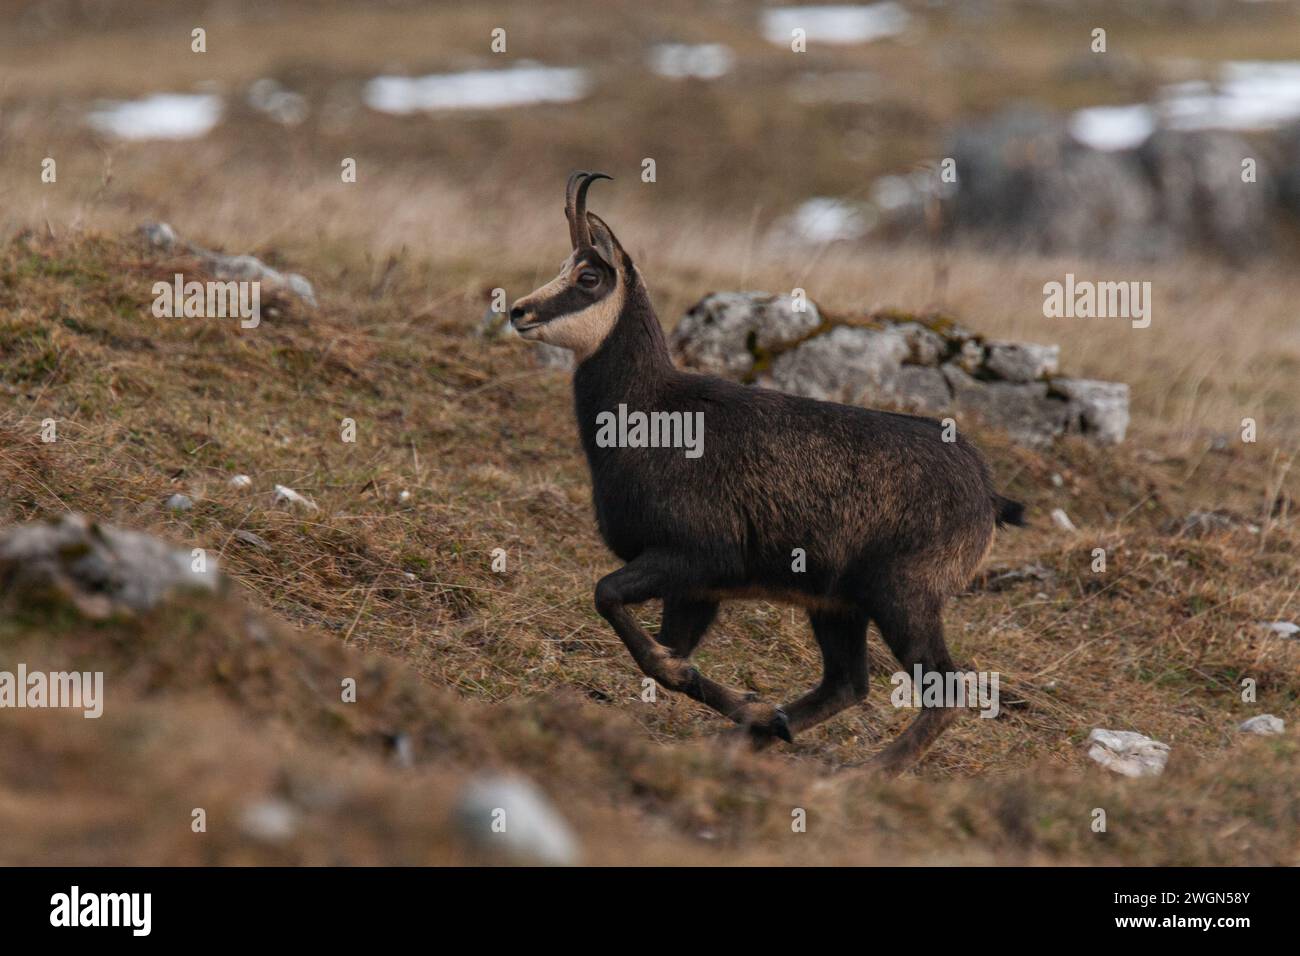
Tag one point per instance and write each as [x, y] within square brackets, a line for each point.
[891, 519]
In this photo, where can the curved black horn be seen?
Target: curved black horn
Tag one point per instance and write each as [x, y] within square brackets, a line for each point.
[575, 206]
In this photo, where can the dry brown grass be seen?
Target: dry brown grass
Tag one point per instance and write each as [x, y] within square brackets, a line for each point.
[483, 442]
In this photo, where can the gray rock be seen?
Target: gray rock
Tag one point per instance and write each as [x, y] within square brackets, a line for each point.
[1128, 753]
[269, 821]
[178, 502]
[1024, 410]
[231, 267]
[286, 495]
[925, 346]
[508, 819]
[1199, 524]
[921, 389]
[100, 569]
[1062, 520]
[970, 357]
[847, 364]
[1027, 183]
[1266, 725]
[899, 362]
[1288, 185]
[1196, 175]
[1096, 409]
[159, 234]
[723, 332]
[1022, 361]
[248, 537]
[1281, 628]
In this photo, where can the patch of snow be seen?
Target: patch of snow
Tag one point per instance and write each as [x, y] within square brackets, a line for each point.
[159, 116]
[836, 24]
[476, 89]
[823, 219]
[1113, 127]
[1249, 95]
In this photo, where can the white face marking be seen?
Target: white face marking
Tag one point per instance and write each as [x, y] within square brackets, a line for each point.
[580, 332]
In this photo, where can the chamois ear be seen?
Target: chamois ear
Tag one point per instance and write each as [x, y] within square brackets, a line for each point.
[604, 241]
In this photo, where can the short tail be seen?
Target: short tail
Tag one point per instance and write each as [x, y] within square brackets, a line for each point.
[1009, 512]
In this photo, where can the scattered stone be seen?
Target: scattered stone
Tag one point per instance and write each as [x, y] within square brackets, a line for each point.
[1096, 409]
[1199, 524]
[1281, 628]
[926, 365]
[726, 332]
[920, 389]
[1266, 725]
[159, 234]
[970, 357]
[1062, 520]
[1128, 753]
[924, 346]
[241, 482]
[102, 570]
[403, 496]
[248, 537]
[227, 267]
[845, 365]
[1021, 361]
[1001, 580]
[286, 495]
[508, 819]
[269, 821]
[178, 502]
[1024, 411]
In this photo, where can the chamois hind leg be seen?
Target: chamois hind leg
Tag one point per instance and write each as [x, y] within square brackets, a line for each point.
[842, 638]
[654, 575]
[684, 624]
[912, 626]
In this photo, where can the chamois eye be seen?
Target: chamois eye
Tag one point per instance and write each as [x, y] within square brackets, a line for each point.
[588, 279]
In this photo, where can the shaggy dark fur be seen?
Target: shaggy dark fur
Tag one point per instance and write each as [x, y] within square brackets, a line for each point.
[892, 519]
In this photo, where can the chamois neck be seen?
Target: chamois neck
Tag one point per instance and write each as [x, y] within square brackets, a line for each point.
[634, 356]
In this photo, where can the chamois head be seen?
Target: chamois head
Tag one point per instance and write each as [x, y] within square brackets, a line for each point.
[579, 307]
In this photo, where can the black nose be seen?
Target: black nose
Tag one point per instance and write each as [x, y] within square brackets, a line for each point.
[516, 314]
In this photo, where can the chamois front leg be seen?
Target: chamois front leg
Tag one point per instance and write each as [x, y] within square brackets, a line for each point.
[659, 576]
[684, 624]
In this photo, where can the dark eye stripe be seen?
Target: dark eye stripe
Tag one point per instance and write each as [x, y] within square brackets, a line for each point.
[571, 299]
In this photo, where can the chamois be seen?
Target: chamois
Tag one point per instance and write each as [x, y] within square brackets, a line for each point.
[891, 518]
